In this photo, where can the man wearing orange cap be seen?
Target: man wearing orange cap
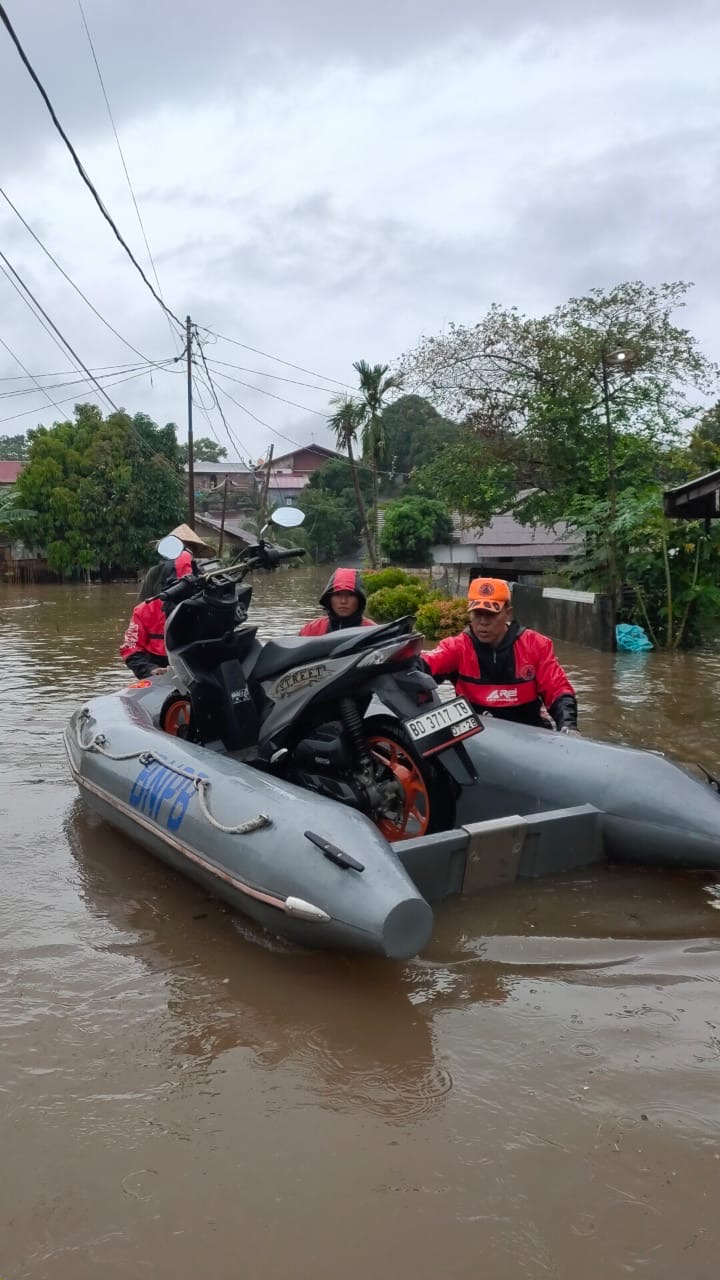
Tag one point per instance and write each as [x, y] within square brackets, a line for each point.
[504, 669]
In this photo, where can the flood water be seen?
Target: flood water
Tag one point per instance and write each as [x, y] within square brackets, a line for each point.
[180, 1096]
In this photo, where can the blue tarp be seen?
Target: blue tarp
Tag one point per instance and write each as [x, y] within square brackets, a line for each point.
[631, 639]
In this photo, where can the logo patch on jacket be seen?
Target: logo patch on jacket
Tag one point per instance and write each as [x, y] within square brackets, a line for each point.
[502, 695]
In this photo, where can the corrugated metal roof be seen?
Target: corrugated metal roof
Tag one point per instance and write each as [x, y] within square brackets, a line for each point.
[10, 469]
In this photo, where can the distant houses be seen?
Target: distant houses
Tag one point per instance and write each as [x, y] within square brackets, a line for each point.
[505, 548]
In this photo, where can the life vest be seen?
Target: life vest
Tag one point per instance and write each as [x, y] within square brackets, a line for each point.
[513, 682]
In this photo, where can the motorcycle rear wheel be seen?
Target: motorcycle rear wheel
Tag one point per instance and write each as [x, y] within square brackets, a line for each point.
[176, 716]
[428, 796]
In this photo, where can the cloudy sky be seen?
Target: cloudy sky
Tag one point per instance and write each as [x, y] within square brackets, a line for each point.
[324, 183]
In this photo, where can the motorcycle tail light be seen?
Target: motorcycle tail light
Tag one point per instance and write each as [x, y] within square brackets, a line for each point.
[390, 652]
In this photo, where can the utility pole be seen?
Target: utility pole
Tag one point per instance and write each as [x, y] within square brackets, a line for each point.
[191, 465]
[222, 517]
[266, 485]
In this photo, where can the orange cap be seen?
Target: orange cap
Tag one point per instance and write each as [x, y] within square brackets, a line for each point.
[488, 593]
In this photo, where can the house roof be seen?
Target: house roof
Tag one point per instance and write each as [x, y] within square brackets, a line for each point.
[232, 527]
[221, 468]
[10, 469]
[695, 500]
[301, 448]
[506, 536]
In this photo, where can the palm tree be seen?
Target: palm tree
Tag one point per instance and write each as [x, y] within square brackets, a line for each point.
[375, 383]
[346, 421]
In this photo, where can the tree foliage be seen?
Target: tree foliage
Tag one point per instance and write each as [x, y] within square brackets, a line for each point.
[204, 450]
[332, 525]
[335, 479]
[101, 489]
[413, 432]
[346, 421]
[530, 390]
[411, 527]
[12, 447]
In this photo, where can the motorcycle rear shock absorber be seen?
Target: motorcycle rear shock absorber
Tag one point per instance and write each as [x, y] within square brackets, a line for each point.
[353, 724]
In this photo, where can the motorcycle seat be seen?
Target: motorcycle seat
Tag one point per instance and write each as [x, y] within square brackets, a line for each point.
[294, 651]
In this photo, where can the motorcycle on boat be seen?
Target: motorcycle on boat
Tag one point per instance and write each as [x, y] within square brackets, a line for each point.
[349, 715]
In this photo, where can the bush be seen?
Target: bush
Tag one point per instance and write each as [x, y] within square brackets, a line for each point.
[439, 618]
[387, 578]
[393, 602]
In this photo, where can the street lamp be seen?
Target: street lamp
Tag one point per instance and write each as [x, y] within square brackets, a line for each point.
[623, 360]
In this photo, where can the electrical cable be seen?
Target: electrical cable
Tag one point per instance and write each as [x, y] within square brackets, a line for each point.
[65, 342]
[277, 359]
[69, 279]
[78, 163]
[44, 390]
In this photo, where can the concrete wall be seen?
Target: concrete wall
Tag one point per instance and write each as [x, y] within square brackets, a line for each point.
[580, 617]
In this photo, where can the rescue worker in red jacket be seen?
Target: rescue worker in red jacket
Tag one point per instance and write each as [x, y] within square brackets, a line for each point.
[160, 575]
[503, 669]
[143, 646]
[344, 599]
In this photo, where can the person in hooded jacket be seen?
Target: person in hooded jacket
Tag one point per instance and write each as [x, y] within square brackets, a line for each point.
[503, 669]
[344, 600]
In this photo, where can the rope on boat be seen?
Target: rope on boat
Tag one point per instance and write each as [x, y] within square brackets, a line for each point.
[201, 784]
[97, 743]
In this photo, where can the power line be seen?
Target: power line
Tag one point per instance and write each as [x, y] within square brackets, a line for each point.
[276, 377]
[67, 399]
[212, 388]
[69, 279]
[16, 392]
[277, 359]
[31, 376]
[65, 342]
[125, 168]
[78, 163]
[103, 368]
[262, 392]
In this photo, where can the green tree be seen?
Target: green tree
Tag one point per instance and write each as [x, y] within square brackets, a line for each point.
[101, 489]
[375, 384]
[335, 479]
[531, 390]
[411, 526]
[414, 433]
[346, 422]
[12, 447]
[673, 566]
[332, 525]
[704, 449]
[204, 450]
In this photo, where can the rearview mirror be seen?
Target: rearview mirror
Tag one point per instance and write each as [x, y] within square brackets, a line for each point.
[287, 517]
[170, 547]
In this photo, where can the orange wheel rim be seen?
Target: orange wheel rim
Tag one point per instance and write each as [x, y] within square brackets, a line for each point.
[177, 718]
[416, 801]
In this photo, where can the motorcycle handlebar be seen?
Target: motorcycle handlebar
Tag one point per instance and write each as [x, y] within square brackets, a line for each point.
[265, 557]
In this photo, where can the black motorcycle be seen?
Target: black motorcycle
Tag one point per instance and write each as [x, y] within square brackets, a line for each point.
[351, 715]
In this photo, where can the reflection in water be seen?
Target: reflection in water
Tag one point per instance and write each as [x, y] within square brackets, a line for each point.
[350, 1027]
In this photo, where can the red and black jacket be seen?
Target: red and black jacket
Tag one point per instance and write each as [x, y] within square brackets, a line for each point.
[340, 580]
[143, 646]
[514, 681]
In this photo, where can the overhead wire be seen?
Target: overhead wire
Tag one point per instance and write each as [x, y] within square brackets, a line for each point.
[126, 170]
[53, 326]
[214, 393]
[276, 377]
[278, 360]
[67, 400]
[262, 392]
[69, 278]
[77, 161]
[45, 391]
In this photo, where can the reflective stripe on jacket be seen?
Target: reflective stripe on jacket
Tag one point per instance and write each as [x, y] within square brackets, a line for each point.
[145, 631]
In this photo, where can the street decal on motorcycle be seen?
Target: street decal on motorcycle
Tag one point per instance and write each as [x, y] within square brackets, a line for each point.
[159, 785]
[300, 678]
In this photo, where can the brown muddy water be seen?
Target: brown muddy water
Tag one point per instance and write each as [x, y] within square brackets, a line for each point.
[180, 1096]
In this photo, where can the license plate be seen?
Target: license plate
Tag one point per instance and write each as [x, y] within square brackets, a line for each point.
[443, 726]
